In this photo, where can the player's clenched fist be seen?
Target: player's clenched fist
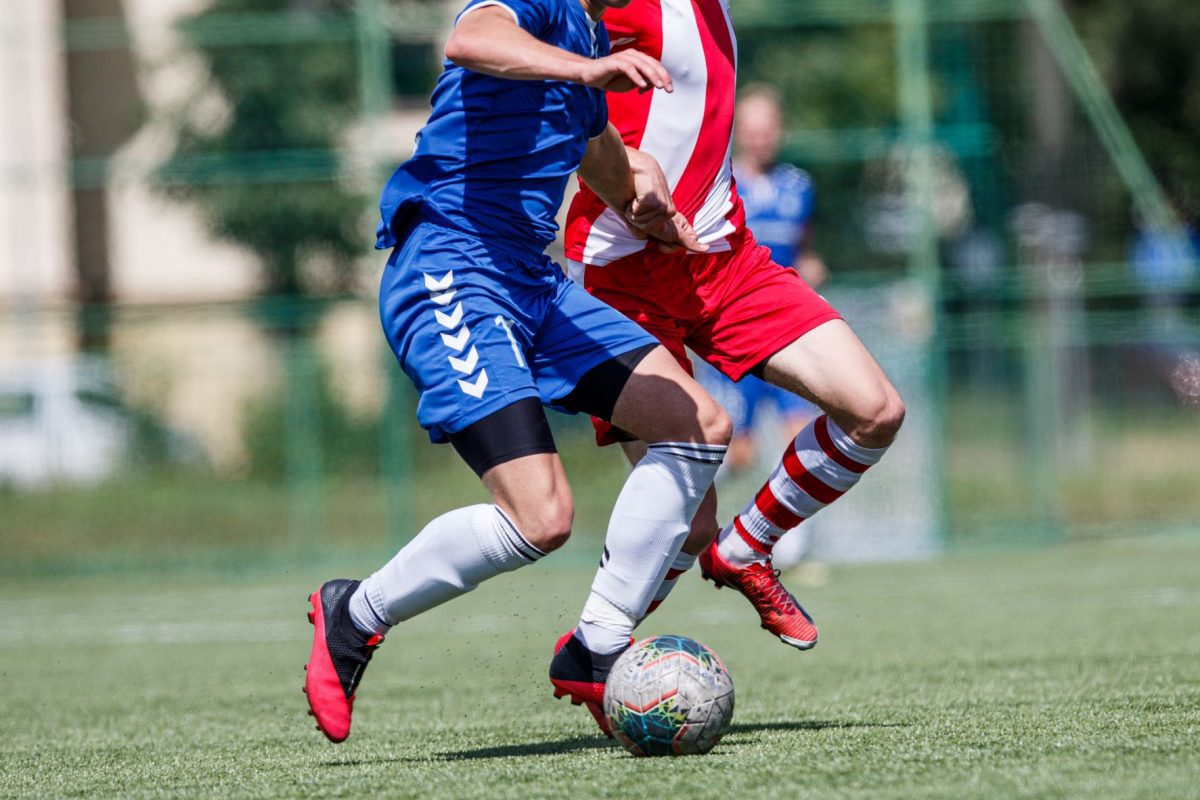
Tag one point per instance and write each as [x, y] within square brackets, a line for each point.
[625, 71]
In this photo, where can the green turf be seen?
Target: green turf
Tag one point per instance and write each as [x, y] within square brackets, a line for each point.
[1060, 673]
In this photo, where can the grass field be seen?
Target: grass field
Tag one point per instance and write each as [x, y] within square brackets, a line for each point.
[1059, 673]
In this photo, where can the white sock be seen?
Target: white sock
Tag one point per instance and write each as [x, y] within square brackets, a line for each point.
[450, 557]
[682, 563]
[649, 524]
[821, 465]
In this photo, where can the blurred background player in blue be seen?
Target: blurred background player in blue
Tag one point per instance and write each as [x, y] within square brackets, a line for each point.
[779, 200]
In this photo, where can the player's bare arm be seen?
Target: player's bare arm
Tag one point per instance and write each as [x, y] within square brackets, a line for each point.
[632, 183]
[489, 41]
[653, 204]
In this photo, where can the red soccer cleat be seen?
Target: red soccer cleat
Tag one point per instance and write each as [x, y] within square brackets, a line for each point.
[776, 607]
[573, 674]
[340, 653]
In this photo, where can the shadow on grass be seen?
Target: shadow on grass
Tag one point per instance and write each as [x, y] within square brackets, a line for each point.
[808, 725]
[580, 743]
[573, 745]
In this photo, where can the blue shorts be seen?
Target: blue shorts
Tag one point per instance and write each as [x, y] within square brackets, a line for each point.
[478, 326]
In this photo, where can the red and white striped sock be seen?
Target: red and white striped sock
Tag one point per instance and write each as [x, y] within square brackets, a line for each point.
[821, 465]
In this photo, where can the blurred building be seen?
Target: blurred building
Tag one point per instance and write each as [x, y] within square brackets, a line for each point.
[88, 87]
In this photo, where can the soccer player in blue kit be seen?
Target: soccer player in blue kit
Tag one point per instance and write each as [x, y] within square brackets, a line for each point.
[490, 331]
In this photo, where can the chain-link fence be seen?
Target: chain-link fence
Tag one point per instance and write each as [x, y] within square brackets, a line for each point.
[991, 229]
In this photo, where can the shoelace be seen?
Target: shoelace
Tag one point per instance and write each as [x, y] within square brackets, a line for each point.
[773, 591]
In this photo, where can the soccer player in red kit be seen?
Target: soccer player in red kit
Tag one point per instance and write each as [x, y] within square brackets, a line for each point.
[733, 306]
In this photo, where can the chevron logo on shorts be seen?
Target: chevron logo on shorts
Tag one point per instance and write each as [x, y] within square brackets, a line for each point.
[441, 292]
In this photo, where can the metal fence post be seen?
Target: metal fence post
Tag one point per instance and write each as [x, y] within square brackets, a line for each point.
[915, 107]
[302, 443]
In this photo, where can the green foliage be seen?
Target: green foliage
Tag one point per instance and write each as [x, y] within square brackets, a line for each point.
[1147, 51]
[348, 444]
[817, 69]
[292, 96]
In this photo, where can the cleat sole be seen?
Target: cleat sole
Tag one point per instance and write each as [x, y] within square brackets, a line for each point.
[799, 644]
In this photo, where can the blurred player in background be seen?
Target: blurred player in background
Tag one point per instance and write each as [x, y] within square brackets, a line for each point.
[734, 307]
[490, 330]
[779, 200]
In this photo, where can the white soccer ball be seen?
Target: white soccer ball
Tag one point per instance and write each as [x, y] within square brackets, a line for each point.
[669, 696]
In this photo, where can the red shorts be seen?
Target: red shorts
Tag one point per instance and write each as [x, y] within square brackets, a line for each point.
[734, 309]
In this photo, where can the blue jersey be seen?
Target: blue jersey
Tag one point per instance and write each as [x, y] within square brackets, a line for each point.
[496, 154]
[779, 207]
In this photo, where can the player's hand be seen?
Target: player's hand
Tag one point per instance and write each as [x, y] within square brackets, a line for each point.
[676, 235]
[625, 71]
[652, 204]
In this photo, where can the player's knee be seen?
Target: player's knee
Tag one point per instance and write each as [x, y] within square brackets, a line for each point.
[705, 422]
[716, 427]
[548, 527]
[881, 422]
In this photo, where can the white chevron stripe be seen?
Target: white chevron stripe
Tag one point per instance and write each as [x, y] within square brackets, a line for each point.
[476, 388]
[439, 286]
[465, 365]
[458, 341]
[444, 298]
[452, 319]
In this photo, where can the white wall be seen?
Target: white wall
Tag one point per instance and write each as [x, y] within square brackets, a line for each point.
[34, 257]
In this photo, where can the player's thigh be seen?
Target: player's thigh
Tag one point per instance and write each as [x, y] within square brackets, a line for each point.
[534, 492]
[591, 358]
[662, 402]
[830, 366]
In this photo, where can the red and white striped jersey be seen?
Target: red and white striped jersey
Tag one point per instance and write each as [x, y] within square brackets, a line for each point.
[689, 131]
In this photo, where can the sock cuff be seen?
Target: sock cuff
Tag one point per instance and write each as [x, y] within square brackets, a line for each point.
[866, 456]
[695, 464]
[367, 605]
[499, 540]
[516, 538]
[698, 453]
[683, 562]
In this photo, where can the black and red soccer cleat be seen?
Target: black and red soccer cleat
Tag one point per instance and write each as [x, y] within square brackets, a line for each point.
[578, 673]
[340, 653]
[759, 583]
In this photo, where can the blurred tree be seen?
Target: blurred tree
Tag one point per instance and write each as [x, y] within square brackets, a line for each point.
[280, 108]
[1147, 52]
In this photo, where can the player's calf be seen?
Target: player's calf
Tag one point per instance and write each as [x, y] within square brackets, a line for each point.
[704, 531]
[875, 419]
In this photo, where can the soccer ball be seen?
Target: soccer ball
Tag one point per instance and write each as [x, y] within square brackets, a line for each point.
[669, 696]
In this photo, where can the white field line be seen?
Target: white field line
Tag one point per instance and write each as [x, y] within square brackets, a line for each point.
[257, 616]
